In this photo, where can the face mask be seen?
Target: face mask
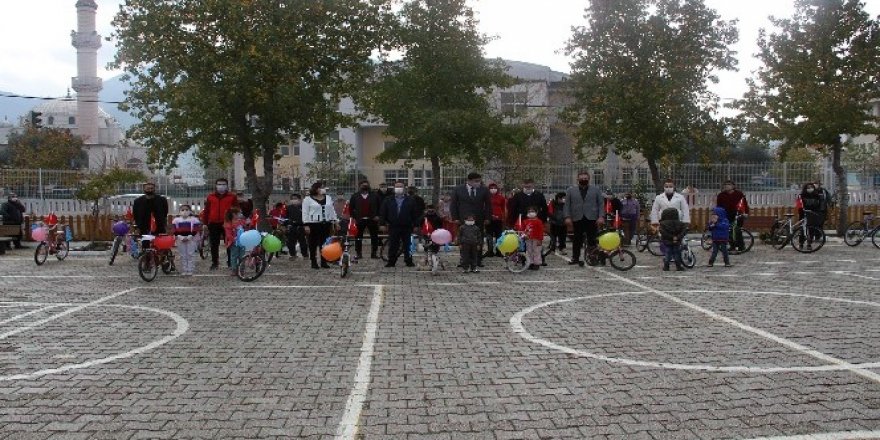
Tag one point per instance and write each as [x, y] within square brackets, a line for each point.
[810, 190]
[529, 191]
[561, 200]
[476, 184]
[14, 199]
[669, 190]
[222, 188]
[470, 222]
[150, 193]
[322, 191]
[584, 182]
[365, 189]
[532, 214]
[296, 202]
[398, 191]
[185, 213]
[493, 191]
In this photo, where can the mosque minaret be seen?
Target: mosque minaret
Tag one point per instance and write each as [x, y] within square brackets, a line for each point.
[87, 84]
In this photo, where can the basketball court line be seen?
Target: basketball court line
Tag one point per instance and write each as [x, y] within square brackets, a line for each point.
[842, 435]
[25, 315]
[65, 313]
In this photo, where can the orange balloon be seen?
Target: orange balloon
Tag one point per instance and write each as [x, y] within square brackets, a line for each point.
[332, 251]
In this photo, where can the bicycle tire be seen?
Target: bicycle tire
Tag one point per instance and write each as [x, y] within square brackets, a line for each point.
[706, 240]
[383, 250]
[874, 237]
[812, 244]
[62, 250]
[168, 264]
[855, 234]
[548, 245]
[147, 267]
[622, 259]
[641, 242]
[41, 253]
[202, 253]
[250, 267]
[516, 262]
[653, 246]
[688, 258]
[117, 242]
[343, 264]
[779, 238]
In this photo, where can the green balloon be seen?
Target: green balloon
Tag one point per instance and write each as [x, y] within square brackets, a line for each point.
[271, 243]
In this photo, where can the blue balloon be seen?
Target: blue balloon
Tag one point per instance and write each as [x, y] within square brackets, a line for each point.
[250, 239]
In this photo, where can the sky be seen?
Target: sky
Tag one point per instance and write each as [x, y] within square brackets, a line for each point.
[38, 59]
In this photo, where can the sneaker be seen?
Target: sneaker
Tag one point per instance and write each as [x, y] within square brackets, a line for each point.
[213, 267]
[475, 270]
[665, 268]
[389, 265]
[679, 269]
[292, 257]
[410, 264]
[315, 265]
[534, 267]
[325, 265]
[573, 262]
[728, 265]
[466, 270]
[710, 265]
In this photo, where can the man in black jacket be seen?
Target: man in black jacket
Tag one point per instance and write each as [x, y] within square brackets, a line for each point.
[150, 205]
[472, 198]
[12, 212]
[399, 214]
[295, 228]
[519, 204]
[364, 207]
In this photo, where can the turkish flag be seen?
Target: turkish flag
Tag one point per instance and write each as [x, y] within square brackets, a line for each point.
[550, 209]
[427, 228]
[608, 206]
[519, 223]
[617, 220]
[128, 214]
[741, 206]
[346, 210]
[153, 226]
[255, 218]
[352, 228]
[798, 203]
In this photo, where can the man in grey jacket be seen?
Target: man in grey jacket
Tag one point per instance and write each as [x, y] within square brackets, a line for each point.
[584, 212]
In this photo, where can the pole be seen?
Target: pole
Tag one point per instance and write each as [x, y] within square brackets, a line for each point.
[42, 196]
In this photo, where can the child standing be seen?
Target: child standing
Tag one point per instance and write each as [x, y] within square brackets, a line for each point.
[188, 230]
[469, 239]
[433, 222]
[534, 230]
[720, 227]
[672, 231]
[234, 222]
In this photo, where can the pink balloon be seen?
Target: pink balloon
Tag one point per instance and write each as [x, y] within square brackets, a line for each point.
[39, 234]
[441, 237]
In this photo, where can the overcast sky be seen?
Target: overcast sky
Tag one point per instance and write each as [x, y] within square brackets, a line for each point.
[36, 57]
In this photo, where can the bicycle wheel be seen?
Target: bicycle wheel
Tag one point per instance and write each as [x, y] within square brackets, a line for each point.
[706, 240]
[147, 267]
[814, 240]
[653, 246]
[688, 258]
[780, 237]
[622, 259]
[168, 263]
[854, 234]
[63, 248]
[383, 250]
[516, 262]
[548, 245]
[117, 243]
[343, 265]
[875, 237]
[641, 242]
[748, 241]
[41, 253]
[250, 267]
[203, 253]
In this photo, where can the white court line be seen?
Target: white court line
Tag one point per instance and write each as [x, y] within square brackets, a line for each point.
[870, 375]
[64, 276]
[843, 435]
[349, 424]
[64, 313]
[840, 272]
[24, 315]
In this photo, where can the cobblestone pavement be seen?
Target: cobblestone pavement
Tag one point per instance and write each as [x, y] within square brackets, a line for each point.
[782, 344]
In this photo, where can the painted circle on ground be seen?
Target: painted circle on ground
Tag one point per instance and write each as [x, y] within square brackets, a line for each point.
[182, 327]
[516, 324]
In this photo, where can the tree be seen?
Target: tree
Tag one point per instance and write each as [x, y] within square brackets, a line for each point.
[640, 75]
[434, 100]
[333, 164]
[101, 185]
[240, 76]
[49, 148]
[820, 72]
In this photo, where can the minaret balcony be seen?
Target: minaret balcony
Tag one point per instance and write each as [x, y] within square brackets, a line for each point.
[86, 85]
[85, 40]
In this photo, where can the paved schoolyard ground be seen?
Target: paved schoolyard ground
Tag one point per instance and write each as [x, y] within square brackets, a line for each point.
[780, 346]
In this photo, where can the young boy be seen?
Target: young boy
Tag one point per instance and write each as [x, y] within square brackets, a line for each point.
[534, 229]
[469, 239]
[672, 232]
[187, 229]
[720, 227]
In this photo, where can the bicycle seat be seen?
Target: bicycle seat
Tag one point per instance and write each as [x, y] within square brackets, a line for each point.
[789, 215]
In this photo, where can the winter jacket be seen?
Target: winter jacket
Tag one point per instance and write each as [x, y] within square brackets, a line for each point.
[534, 228]
[672, 230]
[720, 229]
[143, 208]
[315, 212]
[521, 202]
[629, 208]
[295, 215]
[373, 200]
[12, 212]
[731, 202]
[499, 206]
[406, 216]
[558, 216]
[216, 205]
[470, 234]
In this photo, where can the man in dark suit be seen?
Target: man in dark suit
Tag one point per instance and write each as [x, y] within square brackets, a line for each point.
[474, 199]
[364, 206]
[399, 215]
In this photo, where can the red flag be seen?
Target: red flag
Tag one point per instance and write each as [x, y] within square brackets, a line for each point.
[519, 223]
[283, 210]
[153, 226]
[346, 210]
[550, 208]
[798, 203]
[255, 218]
[741, 206]
[427, 228]
[128, 214]
[352, 228]
[617, 220]
[608, 206]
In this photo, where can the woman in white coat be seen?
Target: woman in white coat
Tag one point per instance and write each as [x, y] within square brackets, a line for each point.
[319, 218]
[670, 199]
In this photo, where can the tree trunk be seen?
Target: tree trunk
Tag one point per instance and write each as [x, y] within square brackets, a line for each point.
[842, 193]
[435, 172]
[655, 175]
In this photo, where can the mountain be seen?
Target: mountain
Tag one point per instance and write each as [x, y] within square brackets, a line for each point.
[13, 108]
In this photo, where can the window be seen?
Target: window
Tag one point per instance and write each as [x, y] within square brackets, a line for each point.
[71, 120]
[643, 175]
[392, 176]
[423, 178]
[514, 103]
[285, 150]
[388, 144]
[328, 149]
[51, 120]
[598, 177]
[626, 175]
[296, 150]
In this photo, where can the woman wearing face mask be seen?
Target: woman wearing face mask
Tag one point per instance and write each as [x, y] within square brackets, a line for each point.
[670, 199]
[812, 201]
[319, 218]
[214, 215]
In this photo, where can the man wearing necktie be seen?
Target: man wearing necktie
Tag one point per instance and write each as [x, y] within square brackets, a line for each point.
[472, 198]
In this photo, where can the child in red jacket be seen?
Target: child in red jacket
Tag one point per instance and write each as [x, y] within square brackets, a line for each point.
[534, 230]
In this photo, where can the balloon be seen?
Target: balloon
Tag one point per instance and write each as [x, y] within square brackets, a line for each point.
[509, 244]
[250, 239]
[441, 236]
[332, 251]
[271, 243]
[609, 241]
[164, 242]
[120, 228]
[39, 234]
[52, 219]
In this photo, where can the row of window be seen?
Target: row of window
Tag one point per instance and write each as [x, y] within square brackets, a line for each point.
[71, 120]
[421, 178]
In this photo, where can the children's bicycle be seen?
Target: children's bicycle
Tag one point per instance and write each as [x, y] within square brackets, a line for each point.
[688, 257]
[57, 243]
[747, 237]
[803, 238]
[158, 255]
[252, 264]
[432, 260]
[128, 243]
[858, 231]
[346, 260]
[518, 260]
[620, 258]
[649, 239]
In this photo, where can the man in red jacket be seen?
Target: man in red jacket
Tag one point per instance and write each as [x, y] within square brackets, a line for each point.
[216, 205]
[734, 201]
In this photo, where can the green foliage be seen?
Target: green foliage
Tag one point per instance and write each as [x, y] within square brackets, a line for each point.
[334, 163]
[819, 75]
[240, 76]
[105, 184]
[434, 100]
[640, 78]
[50, 148]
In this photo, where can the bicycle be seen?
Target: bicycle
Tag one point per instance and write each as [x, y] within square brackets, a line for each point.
[688, 257]
[432, 260]
[620, 258]
[858, 231]
[57, 242]
[158, 255]
[346, 260]
[649, 239]
[204, 246]
[516, 261]
[803, 238]
[128, 243]
[252, 265]
[747, 237]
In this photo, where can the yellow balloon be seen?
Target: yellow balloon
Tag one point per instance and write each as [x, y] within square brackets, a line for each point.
[509, 244]
[609, 241]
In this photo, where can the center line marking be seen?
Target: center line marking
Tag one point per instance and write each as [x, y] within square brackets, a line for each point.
[870, 375]
[64, 313]
[349, 424]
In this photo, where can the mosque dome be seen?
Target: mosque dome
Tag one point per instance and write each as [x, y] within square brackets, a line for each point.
[61, 113]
